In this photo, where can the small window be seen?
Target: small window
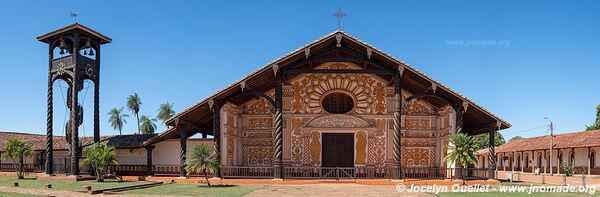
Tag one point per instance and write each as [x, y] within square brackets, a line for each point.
[338, 103]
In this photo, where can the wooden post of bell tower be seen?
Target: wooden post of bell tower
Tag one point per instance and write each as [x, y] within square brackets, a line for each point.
[73, 56]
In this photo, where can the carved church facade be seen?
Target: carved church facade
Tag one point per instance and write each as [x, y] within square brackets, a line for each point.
[248, 128]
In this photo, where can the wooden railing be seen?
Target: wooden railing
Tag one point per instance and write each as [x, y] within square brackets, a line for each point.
[247, 172]
[288, 172]
[359, 173]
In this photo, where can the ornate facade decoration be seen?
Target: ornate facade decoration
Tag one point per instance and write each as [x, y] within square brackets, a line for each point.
[258, 156]
[338, 121]
[376, 151]
[315, 148]
[297, 104]
[417, 108]
[418, 156]
[417, 123]
[361, 148]
[359, 86]
[259, 123]
[379, 92]
[305, 121]
[259, 106]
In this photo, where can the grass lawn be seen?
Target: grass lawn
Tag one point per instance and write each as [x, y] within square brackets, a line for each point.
[10, 194]
[497, 192]
[187, 189]
[7, 181]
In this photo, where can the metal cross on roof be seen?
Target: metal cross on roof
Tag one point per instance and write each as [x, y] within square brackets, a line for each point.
[339, 14]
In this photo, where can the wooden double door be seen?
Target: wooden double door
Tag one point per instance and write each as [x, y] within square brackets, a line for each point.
[337, 150]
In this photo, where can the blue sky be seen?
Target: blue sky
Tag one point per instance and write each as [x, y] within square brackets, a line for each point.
[544, 62]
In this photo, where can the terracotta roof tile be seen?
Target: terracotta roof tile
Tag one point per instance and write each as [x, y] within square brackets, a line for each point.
[38, 142]
[581, 139]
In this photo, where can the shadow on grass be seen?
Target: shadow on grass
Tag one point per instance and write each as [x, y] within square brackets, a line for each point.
[216, 186]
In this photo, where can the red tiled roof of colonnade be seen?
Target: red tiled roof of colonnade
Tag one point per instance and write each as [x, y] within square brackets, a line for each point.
[582, 139]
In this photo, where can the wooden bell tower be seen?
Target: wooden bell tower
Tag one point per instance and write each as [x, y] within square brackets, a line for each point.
[73, 56]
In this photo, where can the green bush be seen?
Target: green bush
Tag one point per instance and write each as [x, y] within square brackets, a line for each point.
[568, 169]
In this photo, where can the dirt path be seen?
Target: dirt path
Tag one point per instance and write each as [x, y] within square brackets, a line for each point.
[330, 190]
[42, 192]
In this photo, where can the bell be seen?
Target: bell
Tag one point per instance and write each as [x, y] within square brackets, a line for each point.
[85, 52]
[62, 44]
[91, 52]
[62, 51]
[87, 44]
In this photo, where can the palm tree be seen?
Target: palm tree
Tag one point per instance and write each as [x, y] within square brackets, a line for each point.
[101, 157]
[148, 126]
[17, 150]
[117, 119]
[165, 111]
[203, 158]
[133, 104]
[463, 152]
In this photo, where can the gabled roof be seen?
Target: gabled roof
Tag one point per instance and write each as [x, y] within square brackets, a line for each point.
[582, 139]
[78, 26]
[201, 110]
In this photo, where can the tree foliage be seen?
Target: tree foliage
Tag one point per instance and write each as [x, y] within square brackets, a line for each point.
[165, 111]
[148, 126]
[117, 119]
[17, 150]
[515, 138]
[483, 140]
[464, 151]
[203, 158]
[595, 125]
[101, 157]
[133, 104]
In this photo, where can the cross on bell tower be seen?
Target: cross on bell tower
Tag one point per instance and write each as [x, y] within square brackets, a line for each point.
[77, 59]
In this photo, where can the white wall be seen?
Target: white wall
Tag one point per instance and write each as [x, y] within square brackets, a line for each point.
[167, 152]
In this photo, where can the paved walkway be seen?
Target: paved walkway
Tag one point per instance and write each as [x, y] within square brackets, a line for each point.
[329, 190]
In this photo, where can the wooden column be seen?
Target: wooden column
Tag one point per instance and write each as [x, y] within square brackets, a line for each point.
[397, 128]
[572, 162]
[278, 123]
[589, 161]
[492, 152]
[558, 160]
[97, 108]
[496, 161]
[182, 148]
[97, 97]
[49, 115]
[216, 107]
[149, 167]
[512, 162]
[74, 125]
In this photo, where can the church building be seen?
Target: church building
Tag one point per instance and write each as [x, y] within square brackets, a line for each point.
[334, 107]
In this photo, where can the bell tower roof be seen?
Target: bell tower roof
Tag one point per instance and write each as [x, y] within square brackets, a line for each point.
[70, 29]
